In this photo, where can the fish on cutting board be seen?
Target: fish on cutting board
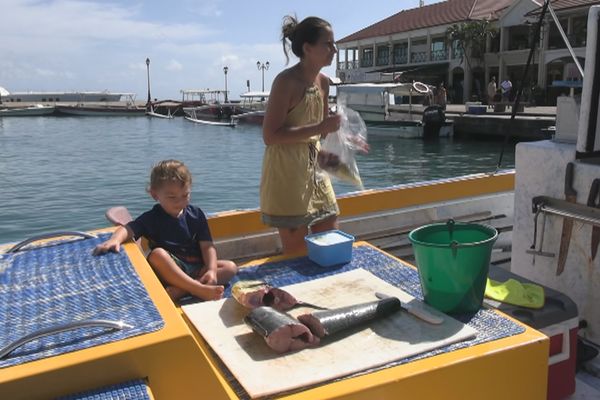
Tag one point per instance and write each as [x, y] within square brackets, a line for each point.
[281, 332]
[252, 294]
[329, 322]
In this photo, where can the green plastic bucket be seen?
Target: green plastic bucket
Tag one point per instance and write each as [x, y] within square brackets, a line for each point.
[453, 261]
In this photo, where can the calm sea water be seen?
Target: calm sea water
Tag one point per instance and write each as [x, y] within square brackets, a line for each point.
[60, 173]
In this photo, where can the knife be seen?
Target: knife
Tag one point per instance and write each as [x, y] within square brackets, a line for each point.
[592, 202]
[567, 229]
[417, 311]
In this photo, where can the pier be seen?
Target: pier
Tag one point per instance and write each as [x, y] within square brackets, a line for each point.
[532, 123]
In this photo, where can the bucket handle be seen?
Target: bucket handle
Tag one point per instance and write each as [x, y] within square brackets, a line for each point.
[450, 224]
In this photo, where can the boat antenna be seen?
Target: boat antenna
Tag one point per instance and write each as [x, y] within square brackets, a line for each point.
[515, 106]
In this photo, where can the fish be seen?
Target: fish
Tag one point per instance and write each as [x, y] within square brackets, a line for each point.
[330, 322]
[252, 294]
[281, 332]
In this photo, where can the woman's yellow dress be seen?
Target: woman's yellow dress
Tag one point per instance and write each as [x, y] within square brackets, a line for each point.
[294, 191]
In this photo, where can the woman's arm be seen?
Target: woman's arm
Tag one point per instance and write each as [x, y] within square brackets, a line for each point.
[324, 79]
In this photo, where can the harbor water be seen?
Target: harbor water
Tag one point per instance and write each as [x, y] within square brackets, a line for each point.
[62, 173]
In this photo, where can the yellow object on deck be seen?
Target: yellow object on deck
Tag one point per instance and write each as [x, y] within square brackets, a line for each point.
[516, 293]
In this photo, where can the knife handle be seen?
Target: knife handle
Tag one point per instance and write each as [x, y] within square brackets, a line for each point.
[569, 191]
[423, 314]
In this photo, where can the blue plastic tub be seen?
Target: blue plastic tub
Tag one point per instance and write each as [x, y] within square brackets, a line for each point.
[330, 247]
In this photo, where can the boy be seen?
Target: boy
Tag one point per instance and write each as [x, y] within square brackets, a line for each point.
[182, 252]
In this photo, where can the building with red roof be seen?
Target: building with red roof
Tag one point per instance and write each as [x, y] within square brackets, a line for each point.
[413, 45]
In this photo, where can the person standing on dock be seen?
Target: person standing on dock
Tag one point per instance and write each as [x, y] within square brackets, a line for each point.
[441, 96]
[506, 86]
[491, 91]
[294, 193]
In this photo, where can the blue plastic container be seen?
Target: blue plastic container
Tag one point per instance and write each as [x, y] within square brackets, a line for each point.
[330, 247]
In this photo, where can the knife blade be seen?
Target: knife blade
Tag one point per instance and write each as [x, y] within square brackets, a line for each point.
[567, 229]
[415, 310]
[593, 201]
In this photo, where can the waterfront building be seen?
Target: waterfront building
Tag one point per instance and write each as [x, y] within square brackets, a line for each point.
[413, 45]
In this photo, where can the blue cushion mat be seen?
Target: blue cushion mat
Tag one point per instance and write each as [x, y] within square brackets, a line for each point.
[63, 282]
[132, 390]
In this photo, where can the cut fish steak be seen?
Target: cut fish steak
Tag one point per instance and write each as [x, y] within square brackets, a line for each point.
[281, 332]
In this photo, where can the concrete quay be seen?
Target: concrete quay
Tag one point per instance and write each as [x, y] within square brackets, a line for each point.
[530, 124]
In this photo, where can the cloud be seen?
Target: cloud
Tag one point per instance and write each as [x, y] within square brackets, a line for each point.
[91, 45]
[174, 65]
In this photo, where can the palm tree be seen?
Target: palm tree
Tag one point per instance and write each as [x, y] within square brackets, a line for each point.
[471, 38]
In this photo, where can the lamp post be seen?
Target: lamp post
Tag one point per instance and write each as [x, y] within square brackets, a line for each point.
[148, 75]
[225, 69]
[263, 67]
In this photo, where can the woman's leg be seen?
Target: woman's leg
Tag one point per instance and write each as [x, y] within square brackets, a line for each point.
[325, 225]
[164, 265]
[292, 239]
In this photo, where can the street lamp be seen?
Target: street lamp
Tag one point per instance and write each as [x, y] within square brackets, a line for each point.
[263, 67]
[225, 69]
[148, 74]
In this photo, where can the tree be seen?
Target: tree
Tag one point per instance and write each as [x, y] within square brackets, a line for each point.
[471, 38]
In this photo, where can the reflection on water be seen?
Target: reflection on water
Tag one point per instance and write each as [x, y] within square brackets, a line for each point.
[63, 173]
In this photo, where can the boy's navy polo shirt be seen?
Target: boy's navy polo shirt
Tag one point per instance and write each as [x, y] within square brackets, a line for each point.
[178, 236]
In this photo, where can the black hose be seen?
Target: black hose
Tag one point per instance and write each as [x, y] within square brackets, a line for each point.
[515, 106]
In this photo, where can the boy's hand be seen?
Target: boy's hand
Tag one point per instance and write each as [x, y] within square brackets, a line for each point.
[109, 245]
[209, 277]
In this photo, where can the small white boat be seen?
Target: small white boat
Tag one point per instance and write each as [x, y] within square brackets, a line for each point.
[253, 107]
[153, 114]
[396, 109]
[231, 123]
[100, 111]
[31, 111]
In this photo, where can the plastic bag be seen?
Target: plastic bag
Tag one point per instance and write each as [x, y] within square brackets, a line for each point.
[338, 149]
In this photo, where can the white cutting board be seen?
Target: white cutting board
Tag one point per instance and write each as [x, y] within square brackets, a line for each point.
[263, 372]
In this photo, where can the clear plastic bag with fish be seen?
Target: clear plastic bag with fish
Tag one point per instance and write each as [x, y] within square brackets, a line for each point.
[338, 150]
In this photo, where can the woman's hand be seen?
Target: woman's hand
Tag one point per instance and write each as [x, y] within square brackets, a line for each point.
[327, 160]
[330, 123]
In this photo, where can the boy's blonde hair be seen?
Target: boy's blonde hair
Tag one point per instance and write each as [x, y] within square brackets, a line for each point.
[169, 171]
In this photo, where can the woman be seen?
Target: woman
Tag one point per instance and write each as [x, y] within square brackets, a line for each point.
[294, 193]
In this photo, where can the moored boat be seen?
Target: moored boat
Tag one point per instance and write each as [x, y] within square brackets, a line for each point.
[231, 123]
[396, 109]
[61, 96]
[152, 113]
[160, 349]
[252, 107]
[107, 357]
[34, 110]
[100, 111]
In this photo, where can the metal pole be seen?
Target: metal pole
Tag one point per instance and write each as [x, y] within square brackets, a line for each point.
[263, 67]
[149, 102]
[566, 40]
[225, 69]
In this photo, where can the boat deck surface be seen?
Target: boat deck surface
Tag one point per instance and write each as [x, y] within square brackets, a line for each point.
[396, 243]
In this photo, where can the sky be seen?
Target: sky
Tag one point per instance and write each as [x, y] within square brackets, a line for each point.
[76, 45]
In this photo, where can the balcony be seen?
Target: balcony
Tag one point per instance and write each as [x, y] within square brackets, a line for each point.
[400, 59]
[418, 57]
[439, 55]
[366, 62]
[383, 60]
[343, 65]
